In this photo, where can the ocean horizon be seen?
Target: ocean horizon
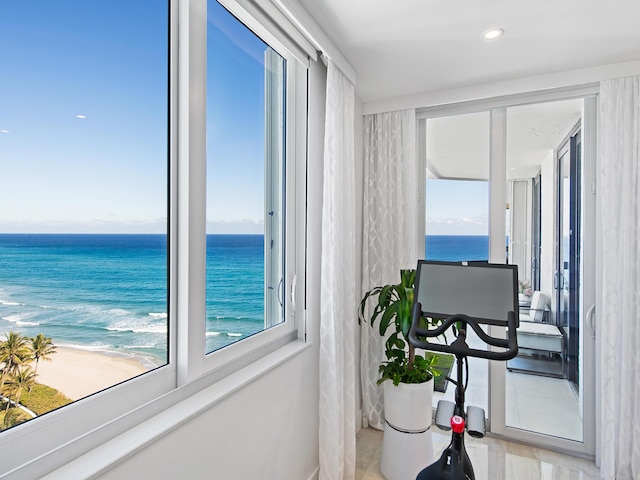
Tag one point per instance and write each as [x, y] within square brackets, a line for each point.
[108, 292]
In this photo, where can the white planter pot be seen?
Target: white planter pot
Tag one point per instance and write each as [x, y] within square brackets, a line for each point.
[407, 406]
[407, 446]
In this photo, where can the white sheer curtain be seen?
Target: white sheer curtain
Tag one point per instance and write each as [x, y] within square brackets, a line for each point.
[389, 230]
[337, 295]
[520, 235]
[619, 311]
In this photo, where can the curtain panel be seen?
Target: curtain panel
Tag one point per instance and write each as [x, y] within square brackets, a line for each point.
[337, 432]
[389, 230]
[619, 312]
[520, 235]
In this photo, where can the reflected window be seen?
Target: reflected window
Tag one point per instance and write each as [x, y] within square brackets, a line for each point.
[245, 181]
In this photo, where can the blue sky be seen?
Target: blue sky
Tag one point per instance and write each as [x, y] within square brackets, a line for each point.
[83, 118]
[107, 172]
[457, 207]
[106, 62]
[235, 125]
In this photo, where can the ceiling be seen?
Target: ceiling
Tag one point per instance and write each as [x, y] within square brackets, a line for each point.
[408, 47]
[401, 48]
[458, 146]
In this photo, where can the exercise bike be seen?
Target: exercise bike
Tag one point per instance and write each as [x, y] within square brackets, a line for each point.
[454, 463]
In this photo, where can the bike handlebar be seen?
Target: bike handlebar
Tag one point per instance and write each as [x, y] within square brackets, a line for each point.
[459, 347]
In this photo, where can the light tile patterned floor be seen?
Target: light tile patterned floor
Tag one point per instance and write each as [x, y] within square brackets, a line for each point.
[492, 459]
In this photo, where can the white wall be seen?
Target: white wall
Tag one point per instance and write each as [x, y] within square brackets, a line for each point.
[266, 430]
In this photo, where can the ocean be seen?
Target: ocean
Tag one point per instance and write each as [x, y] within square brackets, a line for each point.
[456, 248]
[108, 292]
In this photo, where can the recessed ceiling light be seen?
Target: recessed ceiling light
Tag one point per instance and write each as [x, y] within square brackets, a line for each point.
[493, 34]
[81, 116]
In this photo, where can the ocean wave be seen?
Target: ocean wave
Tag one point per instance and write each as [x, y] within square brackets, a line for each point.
[141, 329]
[27, 324]
[228, 334]
[243, 318]
[10, 304]
[17, 318]
[158, 315]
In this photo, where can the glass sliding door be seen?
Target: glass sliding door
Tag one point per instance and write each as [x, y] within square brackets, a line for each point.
[537, 167]
[541, 382]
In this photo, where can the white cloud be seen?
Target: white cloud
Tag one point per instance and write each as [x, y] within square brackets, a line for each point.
[458, 226]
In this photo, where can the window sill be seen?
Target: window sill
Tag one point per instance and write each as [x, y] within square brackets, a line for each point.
[139, 429]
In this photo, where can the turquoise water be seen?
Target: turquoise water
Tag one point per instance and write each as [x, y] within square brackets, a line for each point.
[108, 292]
[455, 248]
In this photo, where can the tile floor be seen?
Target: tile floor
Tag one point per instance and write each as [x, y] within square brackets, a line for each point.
[492, 459]
[533, 402]
[543, 404]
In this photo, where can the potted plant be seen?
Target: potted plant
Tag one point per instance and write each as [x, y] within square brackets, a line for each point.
[407, 379]
[524, 291]
[394, 308]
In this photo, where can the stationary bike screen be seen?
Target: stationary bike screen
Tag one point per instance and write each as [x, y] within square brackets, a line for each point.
[483, 291]
[455, 298]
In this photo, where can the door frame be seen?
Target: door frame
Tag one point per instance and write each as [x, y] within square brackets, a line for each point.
[497, 230]
[570, 312]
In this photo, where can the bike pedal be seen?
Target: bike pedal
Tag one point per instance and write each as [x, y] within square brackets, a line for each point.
[476, 423]
[444, 412]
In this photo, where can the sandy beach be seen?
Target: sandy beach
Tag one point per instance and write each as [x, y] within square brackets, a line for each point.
[78, 373]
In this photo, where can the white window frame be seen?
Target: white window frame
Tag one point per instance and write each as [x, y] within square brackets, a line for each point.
[192, 334]
[46, 443]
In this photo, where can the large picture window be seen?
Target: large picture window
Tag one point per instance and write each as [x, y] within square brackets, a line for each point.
[152, 206]
[83, 199]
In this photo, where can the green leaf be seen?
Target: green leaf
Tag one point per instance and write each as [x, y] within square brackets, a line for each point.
[387, 316]
[394, 306]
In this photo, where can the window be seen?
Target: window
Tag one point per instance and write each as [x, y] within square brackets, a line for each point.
[159, 211]
[83, 198]
[245, 168]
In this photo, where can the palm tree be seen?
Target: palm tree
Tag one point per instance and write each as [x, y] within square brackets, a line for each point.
[23, 378]
[42, 348]
[14, 351]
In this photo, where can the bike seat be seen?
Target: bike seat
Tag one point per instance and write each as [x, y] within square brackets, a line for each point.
[447, 467]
